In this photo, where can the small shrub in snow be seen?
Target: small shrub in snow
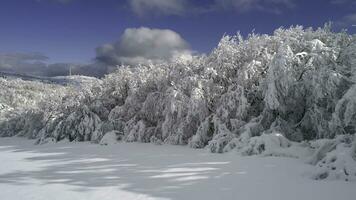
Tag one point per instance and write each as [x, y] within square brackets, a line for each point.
[156, 140]
[334, 159]
[219, 142]
[111, 137]
[337, 164]
[266, 144]
[49, 140]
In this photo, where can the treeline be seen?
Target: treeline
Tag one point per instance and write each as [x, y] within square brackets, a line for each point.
[256, 95]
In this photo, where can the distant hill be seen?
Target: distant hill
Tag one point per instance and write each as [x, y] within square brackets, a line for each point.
[62, 80]
[24, 77]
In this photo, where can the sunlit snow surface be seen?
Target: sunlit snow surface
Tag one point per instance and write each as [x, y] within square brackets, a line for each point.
[145, 171]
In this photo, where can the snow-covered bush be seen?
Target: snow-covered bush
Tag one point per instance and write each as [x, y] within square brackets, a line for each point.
[111, 137]
[203, 135]
[344, 117]
[37, 110]
[26, 106]
[335, 159]
[266, 144]
[258, 95]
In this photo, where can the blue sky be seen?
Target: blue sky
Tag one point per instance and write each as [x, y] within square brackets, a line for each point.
[69, 31]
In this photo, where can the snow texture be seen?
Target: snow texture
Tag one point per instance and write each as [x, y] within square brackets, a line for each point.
[67, 171]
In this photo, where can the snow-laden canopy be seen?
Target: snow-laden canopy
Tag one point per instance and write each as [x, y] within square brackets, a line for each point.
[251, 94]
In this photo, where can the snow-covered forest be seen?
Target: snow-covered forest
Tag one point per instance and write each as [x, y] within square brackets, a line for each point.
[290, 94]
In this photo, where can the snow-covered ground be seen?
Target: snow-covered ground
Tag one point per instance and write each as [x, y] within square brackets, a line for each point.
[146, 171]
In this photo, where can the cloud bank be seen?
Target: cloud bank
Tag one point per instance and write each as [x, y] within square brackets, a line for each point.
[26, 63]
[135, 46]
[35, 64]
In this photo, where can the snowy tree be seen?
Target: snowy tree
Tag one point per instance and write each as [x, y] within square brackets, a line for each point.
[262, 94]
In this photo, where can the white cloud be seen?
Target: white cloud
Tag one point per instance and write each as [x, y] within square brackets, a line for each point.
[184, 7]
[342, 1]
[135, 46]
[163, 7]
[351, 18]
[347, 21]
[57, 1]
[274, 6]
[142, 46]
